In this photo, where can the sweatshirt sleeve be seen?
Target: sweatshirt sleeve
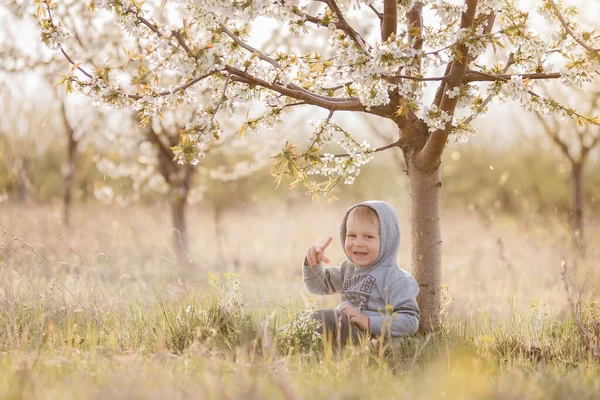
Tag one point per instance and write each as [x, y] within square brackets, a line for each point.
[401, 317]
[323, 280]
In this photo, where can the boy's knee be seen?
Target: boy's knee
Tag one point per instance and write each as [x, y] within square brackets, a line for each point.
[328, 318]
[321, 314]
[318, 315]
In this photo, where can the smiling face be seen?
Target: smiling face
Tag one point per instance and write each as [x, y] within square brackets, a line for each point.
[362, 237]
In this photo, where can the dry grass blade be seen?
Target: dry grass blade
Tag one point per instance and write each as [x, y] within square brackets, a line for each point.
[49, 267]
[591, 337]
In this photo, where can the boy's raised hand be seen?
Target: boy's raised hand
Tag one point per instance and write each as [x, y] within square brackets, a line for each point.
[316, 253]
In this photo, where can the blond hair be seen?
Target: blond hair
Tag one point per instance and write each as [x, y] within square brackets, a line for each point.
[365, 214]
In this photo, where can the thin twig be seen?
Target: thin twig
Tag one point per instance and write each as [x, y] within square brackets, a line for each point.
[251, 49]
[506, 78]
[354, 35]
[61, 48]
[485, 102]
[569, 30]
[222, 98]
[379, 15]
[479, 76]
[485, 35]
[377, 150]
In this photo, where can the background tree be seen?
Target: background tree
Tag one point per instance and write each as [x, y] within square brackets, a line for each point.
[432, 69]
[22, 139]
[575, 142]
[39, 70]
[145, 157]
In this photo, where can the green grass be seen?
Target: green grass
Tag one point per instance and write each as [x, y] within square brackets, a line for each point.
[184, 333]
[211, 344]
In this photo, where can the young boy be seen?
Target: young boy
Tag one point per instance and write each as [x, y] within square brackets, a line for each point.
[378, 298]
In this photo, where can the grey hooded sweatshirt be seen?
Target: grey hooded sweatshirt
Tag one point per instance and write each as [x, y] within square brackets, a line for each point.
[370, 289]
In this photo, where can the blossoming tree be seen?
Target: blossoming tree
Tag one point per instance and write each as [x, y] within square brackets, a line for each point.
[20, 143]
[575, 143]
[20, 63]
[123, 149]
[145, 157]
[431, 67]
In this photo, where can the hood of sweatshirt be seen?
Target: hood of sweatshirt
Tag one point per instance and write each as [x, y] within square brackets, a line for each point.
[389, 233]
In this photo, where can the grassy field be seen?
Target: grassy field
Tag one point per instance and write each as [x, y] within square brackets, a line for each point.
[147, 328]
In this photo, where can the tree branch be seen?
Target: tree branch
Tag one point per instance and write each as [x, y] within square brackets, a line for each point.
[569, 30]
[485, 102]
[486, 32]
[345, 26]
[389, 22]
[379, 15]
[251, 49]
[177, 35]
[484, 35]
[478, 76]
[442, 88]
[61, 48]
[415, 31]
[552, 133]
[222, 98]
[339, 25]
[501, 77]
[335, 104]
[429, 156]
[181, 88]
[377, 150]
[165, 153]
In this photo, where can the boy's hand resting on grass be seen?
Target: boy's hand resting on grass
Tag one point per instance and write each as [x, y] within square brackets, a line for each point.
[356, 317]
[316, 253]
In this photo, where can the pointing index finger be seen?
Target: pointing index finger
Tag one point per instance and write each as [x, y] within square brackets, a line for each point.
[324, 245]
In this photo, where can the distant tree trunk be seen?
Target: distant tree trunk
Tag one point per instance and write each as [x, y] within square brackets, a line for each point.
[69, 171]
[219, 231]
[179, 194]
[577, 205]
[22, 181]
[180, 233]
[426, 240]
[70, 167]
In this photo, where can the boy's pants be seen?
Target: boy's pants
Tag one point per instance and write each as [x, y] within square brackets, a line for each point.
[337, 328]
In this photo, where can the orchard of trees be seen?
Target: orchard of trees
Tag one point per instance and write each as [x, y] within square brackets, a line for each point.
[182, 70]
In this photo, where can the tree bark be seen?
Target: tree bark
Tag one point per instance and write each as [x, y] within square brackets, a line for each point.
[577, 206]
[179, 190]
[426, 240]
[69, 176]
[180, 233]
[22, 182]
[218, 215]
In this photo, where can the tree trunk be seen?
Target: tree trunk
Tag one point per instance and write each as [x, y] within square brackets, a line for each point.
[180, 184]
[180, 233]
[22, 183]
[69, 176]
[577, 206]
[219, 232]
[426, 240]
